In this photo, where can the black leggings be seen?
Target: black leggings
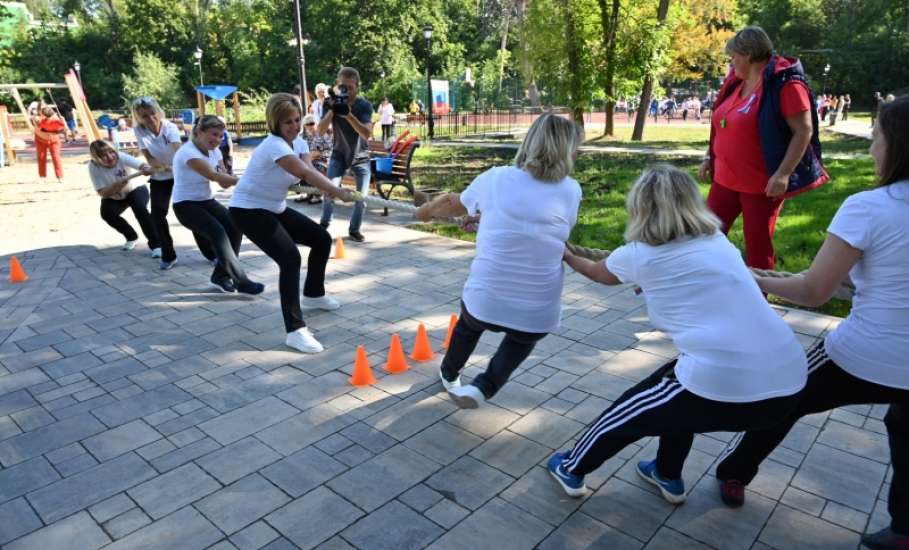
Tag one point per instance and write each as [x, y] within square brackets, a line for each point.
[514, 348]
[212, 222]
[830, 387]
[278, 236]
[161, 191]
[137, 200]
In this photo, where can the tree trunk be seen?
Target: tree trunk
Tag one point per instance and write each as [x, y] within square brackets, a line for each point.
[644, 107]
[502, 47]
[576, 101]
[610, 24]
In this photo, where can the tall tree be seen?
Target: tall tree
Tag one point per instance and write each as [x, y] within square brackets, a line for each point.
[609, 22]
[647, 89]
[576, 101]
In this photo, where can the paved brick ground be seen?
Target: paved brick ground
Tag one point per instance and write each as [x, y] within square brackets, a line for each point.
[140, 410]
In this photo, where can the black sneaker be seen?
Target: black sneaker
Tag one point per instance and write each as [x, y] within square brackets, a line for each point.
[324, 224]
[886, 539]
[357, 236]
[224, 284]
[250, 287]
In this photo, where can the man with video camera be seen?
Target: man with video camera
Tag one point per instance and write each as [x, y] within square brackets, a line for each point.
[351, 119]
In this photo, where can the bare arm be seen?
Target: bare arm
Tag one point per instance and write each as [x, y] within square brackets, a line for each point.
[595, 271]
[363, 129]
[828, 270]
[205, 170]
[801, 127]
[327, 117]
[307, 172]
[446, 206]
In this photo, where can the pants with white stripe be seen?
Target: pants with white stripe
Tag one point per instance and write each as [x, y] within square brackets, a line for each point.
[830, 387]
[660, 406]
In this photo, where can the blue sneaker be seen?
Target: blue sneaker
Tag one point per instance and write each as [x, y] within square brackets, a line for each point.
[572, 484]
[673, 490]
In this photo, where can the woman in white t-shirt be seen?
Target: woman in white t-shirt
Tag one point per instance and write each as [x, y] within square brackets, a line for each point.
[386, 119]
[196, 164]
[114, 178]
[864, 359]
[258, 208]
[699, 292]
[159, 139]
[515, 281]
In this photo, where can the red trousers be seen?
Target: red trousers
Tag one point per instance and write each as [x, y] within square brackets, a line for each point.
[42, 147]
[759, 213]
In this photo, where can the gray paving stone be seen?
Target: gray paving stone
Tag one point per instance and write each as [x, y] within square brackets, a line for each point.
[15, 401]
[791, 529]
[183, 455]
[185, 437]
[185, 529]
[840, 476]
[628, 508]
[241, 503]
[800, 500]
[238, 460]
[17, 519]
[469, 482]
[314, 518]
[353, 455]
[845, 517]
[519, 398]
[156, 449]
[76, 465]
[76, 532]
[111, 507]
[247, 420]
[8, 428]
[335, 443]
[20, 380]
[36, 442]
[391, 527]
[420, 498]
[32, 418]
[536, 493]
[303, 471]
[382, 478]
[446, 513]
[581, 531]
[667, 539]
[368, 437]
[254, 537]
[484, 422]
[510, 527]
[856, 441]
[547, 428]
[114, 370]
[443, 442]
[126, 523]
[171, 491]
[140, 405]
[188, 420]
[26, 477]
[82, 490]
[511, 453]
[122, 439]
[409, 416]
[304, 429]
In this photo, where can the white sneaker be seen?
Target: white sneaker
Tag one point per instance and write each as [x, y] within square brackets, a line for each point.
[156, 252]
[467, 397]
[456, 383]
[303, 340]
[129, 245]
[326, 303]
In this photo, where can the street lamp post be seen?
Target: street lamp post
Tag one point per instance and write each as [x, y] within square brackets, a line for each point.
[427, 34]
[78, 69]
[826, 72]
[382, 76]
[301, 57]
[198, 55]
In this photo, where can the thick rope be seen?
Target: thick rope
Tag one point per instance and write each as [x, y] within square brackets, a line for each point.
[845, 291]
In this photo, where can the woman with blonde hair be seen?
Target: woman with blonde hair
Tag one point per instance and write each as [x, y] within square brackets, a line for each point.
[195, 164]
[515, 281]
[258, 207]
[739, 366]
[113, 176]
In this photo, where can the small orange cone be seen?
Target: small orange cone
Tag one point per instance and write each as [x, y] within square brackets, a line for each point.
[339, 249]
[396, 363]
[362, 374]
[422, 350]
[16, 273]
[451, 325]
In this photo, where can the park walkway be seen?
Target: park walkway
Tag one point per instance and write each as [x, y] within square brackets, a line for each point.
[140, 410]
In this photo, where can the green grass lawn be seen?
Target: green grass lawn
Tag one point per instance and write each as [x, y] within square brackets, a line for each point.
[606, 178]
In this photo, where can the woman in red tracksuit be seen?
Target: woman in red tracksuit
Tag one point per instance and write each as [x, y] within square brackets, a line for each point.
[47, 138]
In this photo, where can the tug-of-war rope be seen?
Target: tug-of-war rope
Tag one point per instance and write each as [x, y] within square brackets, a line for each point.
[845, 291]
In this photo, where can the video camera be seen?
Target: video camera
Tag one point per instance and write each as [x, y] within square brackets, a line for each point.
[337, 101]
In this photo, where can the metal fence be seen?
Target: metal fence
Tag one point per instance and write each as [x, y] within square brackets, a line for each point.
[487, 123]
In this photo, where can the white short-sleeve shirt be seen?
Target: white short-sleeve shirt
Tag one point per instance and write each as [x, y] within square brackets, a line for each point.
[872, 342]
[264, 183]
[733, 346]
[102, 176]
[190, 185]
[516, 277]
[159, 146]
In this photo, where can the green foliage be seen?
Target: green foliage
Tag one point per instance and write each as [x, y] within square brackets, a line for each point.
[152, 77]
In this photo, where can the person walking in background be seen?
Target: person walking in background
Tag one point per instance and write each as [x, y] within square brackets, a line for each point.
[764, 143]
[66, 111]
[114, 179]
[317, 107]
[227, 148]
[847, 104]
[386, 119]
[48, 129]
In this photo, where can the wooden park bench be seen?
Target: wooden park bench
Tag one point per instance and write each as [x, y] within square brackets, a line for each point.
[384, 183]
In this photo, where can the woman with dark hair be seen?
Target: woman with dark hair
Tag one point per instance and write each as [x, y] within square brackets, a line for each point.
[863, 360]
[48, 128]
[764, 143]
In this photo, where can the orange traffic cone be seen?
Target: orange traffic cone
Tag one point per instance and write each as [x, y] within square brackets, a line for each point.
[396, 363]
[362, 374]
[451, 325]
[16, 273]
[339, 249]
[422, 350]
